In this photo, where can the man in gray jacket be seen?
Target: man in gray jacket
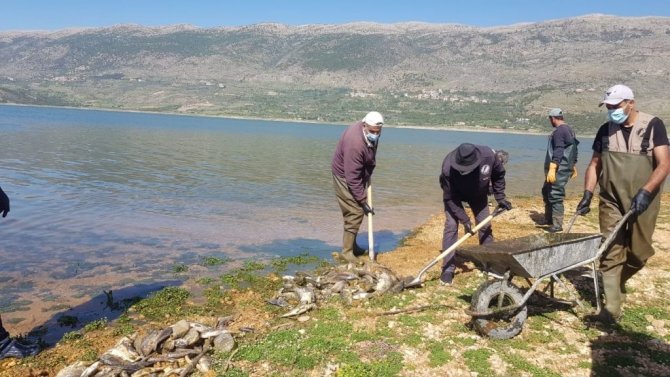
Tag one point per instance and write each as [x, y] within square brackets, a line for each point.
[352, 166]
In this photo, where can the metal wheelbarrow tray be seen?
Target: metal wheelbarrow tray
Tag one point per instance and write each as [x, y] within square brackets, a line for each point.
[498, 306]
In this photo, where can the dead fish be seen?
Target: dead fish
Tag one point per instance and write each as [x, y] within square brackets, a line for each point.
[91, 370]
[279, 301]
[204, 365]
[180, 328]
[191, 337]
[223, 322]
[361, 295]
[122, 351]
[211, 333]
[300, 309]
[74, 370]
[151, 342]
[200, 327]
[306, 295]
[224, 342]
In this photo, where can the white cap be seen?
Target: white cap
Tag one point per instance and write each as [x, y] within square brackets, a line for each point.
[374, 119]
[616, 94]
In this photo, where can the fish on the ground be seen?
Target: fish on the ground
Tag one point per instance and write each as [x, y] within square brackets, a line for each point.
[348, 281]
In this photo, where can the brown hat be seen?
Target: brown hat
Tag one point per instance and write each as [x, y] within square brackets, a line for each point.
[465, 158]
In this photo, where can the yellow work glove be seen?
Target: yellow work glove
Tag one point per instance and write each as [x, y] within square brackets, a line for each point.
[551, 175]
[574, 172]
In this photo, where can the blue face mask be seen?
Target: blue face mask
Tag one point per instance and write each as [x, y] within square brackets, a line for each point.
[373, 138]
[617, 115]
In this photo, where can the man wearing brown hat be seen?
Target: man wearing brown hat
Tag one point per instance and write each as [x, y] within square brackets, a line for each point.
[352, 166]
[631, 161]
[559, 167]
[466, 175]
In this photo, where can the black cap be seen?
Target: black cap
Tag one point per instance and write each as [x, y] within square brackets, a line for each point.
[465, 158]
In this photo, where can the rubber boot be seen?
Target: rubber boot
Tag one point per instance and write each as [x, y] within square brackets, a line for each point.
[358, 251]
[611, 311]
[347, 254]
[627, 272]
[556, 224]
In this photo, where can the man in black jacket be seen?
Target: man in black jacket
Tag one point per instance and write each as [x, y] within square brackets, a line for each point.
[467, 173]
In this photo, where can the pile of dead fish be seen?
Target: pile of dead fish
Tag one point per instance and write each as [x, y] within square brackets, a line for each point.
[177, 350]
[350, 282]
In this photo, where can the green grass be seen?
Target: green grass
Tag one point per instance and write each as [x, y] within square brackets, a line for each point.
[438, 354]
[478, 361]
[166, 303]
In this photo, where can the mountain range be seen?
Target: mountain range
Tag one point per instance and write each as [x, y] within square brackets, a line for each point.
[417, 73]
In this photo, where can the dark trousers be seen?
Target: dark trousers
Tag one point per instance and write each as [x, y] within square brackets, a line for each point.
[480, 207]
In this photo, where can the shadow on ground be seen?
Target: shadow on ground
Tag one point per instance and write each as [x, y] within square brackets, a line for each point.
[108, 304]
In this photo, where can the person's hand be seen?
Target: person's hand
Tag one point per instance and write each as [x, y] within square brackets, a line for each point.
[641, 201]
[574, 172]
[585, 203]
[504, 203]
[367, 209]
[4, 203]
[468, 227]
[551, 174]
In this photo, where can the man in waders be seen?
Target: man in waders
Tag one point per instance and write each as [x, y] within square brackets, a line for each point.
[352, 166]
[559, 167]
[467, 173]
[11, 347]
[630, 162]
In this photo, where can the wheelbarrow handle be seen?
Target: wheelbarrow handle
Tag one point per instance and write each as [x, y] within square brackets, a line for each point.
[606, 243]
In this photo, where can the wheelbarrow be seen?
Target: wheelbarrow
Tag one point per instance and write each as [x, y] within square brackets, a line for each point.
[498, 306]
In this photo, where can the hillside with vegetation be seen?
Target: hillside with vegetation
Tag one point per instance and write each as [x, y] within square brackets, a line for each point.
[417, 74]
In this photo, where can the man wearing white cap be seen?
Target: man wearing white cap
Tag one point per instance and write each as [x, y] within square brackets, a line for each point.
[559, 167]
[631, 160]
[352, 166]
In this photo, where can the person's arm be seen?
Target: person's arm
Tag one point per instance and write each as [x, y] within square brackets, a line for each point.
[498, 180]
[354, 163]
[662, 158]
[453, 206]
[592, 172]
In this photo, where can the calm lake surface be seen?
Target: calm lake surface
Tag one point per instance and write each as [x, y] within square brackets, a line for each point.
[104, 200]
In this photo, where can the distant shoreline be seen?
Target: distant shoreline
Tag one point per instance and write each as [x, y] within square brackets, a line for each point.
[432, 128]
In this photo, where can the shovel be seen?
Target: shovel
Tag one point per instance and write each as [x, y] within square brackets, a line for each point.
[572, 222]
[371, 238]
[452, 249]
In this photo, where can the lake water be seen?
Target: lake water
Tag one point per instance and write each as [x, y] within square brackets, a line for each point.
[105, 200]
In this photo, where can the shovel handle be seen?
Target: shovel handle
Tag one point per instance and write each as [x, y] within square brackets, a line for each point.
[452, 249]
[371, 238]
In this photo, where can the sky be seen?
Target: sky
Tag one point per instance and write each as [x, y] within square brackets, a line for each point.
[63, 14]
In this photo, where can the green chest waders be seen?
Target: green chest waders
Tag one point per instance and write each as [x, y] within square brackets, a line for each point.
[623, 174]
[553, 194]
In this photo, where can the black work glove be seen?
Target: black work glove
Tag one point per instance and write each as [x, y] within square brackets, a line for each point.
[468, 227]
[585, 203]
[641, 201]
[504, 203]
[4, 203]
[367, 209]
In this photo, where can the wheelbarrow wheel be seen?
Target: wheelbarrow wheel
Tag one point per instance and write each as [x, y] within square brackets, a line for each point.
[501, 325]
